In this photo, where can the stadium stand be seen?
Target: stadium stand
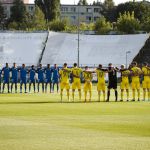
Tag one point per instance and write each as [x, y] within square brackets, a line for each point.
[21, 47]
[94, 49]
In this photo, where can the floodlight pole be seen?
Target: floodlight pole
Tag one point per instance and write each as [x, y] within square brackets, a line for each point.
[78, 57]
[127, 52]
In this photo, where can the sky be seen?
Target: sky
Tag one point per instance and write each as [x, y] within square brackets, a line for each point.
[91, 1]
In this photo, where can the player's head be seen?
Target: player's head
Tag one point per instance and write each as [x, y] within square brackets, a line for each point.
[75, 64]
[110, 65]
[32, 66]
[55, 65]
[86, 67]
[145, 64]
[122, 66]
[134, 64]
[14, 64]
[48, 65]
[6, 64]
[23, 65]
[100, 66]
[65, 65]
[40, 65]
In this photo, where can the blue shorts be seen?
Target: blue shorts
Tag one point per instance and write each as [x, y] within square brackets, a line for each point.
[48, 80]
[55, 80]
[6, 80]
[32, 81]
[14, 80]
[23, 81]
[40, 80]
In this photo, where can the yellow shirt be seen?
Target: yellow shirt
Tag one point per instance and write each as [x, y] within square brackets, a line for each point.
[146, 72]
[76, 72]
[124, 75]
[136, 72]
[100, 75]
[65, 74]
[87, 76]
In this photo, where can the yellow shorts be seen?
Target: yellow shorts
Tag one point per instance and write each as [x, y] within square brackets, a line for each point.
[135, 84]
[101, 86]
[76, 85]
[146, 83]
[124, 85]
[87, 86]
[64, 85]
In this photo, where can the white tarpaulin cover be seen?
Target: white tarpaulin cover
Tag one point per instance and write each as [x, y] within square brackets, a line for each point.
[21, 47]
[94, 49]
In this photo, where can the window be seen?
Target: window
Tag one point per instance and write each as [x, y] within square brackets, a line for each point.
[89, 10]
[73, 17]
[88, 18]
[97, 10]
[73, 9]
[64, 9]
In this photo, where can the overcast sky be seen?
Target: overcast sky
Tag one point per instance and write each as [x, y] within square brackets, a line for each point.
[91, 1]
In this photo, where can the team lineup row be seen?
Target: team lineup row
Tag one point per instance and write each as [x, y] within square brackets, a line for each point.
[55, 75]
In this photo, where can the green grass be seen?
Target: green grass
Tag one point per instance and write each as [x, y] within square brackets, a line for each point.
[41, 122]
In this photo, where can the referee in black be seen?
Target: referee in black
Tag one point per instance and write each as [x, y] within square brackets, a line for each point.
[112, 81]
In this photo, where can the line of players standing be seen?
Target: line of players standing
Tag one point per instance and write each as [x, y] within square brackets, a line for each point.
[46, 76]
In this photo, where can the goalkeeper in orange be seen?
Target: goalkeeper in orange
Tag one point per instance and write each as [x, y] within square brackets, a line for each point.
[146, 81]
[64, 80]
[101, 81]
[135, 73]
[76, 74]
[87, 75]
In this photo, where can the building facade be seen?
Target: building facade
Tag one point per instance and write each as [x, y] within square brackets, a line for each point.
[74, 13]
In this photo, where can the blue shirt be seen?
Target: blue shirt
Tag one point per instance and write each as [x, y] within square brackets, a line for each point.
[32, 74]
[0, 74]
[14, 73]
[55, 73]
[23, 73]
[6, 71]
[40, 72]
[48, 72]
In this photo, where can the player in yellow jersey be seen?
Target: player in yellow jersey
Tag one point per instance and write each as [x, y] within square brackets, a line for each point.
[64, 80]
[87, 75]
[146, 81]
[135, 73]
[101, 81]
[76, 74]
[124, 81]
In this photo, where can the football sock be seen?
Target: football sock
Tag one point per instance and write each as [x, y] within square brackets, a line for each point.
[127, 94]
[138, 91]
[104, 95]
[90, 95]
[85, 94]
[121, 95]
[73, 94]
[79, 94]
[144, 94]
[108, 95]
[133, 92]
[68, 94]
[116, 95]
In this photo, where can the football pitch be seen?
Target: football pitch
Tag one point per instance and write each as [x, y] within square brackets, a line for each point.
[41, 122]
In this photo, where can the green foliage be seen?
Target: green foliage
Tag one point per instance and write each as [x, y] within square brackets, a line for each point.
[2, 16]
[127, 23]
[82, 2]
[109, 4]
[146, 25]
[102, 26]
[50, 8]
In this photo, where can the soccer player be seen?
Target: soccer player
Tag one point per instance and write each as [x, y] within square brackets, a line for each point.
[135, 73]
[6, 72]
[55, 77]
[48, 72]
[64, 80]
[40, 72]
[23, 78]
[124, 81]
[76, 74]
[101, 81]
[14, 71]
[32, 72]
[87, 75]
[0, 79]
[112, 81]
[146, 81]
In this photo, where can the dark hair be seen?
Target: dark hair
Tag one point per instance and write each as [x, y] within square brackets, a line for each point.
[145, 63]
[100, 66]
[75, 64]
[65, 64]
[134, 63]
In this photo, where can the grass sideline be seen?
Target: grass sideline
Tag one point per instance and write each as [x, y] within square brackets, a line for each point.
[41, 122]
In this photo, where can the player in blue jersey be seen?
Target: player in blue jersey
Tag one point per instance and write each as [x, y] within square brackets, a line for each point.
[23, 78]
[40, 72]
[55, 77]
[48, 72]
[6, 73]
[32, 72]
[0, 79]
[14, 80]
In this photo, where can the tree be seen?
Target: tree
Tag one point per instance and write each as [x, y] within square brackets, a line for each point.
[18, 11]
[2, 16]
[102, 26]
[50, 8]
[146, 25]
[82, 2]
[127, 23]
[109, 4]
